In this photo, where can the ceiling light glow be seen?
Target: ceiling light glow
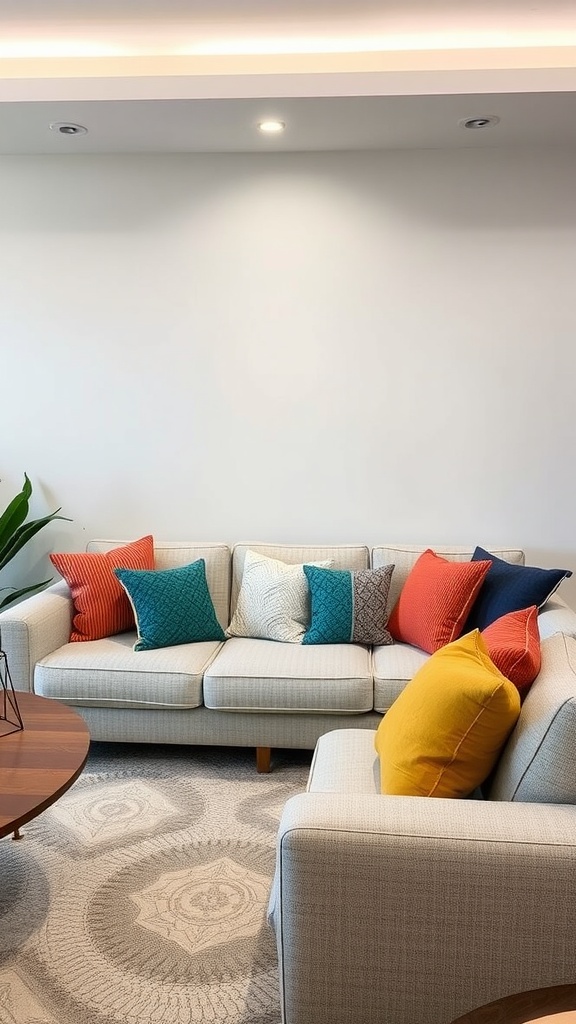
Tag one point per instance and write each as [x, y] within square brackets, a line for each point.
[32, 49]
[271, 127]
[392, 42]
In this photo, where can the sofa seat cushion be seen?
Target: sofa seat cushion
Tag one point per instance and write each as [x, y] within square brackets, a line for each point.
[538, 764]
[393, 668]
[109, 673]
[265, 675]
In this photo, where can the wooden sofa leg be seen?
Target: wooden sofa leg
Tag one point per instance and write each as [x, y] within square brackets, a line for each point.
[263, 755]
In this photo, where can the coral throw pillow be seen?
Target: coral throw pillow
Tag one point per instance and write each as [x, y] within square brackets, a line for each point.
[436, 600]
[101, 605]
[513, 643]
[444, 733]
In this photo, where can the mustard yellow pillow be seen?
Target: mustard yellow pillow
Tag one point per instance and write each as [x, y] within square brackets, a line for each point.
[443, 734]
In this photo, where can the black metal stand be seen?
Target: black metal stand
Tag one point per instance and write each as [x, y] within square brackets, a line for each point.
[10, 717]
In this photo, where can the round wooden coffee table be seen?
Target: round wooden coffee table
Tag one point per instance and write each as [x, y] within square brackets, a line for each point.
[526, 1007]
[41, 761]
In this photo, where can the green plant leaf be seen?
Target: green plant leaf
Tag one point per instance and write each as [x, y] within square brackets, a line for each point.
[15, 532]
[21, 593]
[15, 513]
[25, 533]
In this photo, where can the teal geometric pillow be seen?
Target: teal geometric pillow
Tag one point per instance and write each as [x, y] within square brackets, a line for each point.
[348, 607]
[171, 606]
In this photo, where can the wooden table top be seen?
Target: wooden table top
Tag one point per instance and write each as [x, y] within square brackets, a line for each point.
[524, 1007]
[41, 761]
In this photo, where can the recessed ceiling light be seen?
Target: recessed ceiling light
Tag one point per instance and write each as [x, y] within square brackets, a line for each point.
[479, 122]
[68, 128]
[271, 127]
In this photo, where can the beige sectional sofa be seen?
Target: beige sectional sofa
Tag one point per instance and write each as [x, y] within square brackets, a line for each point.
[403, 909]
[242, 692]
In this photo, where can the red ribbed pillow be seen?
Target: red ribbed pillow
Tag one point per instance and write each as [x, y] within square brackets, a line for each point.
[435, 601]
[513, 643]
[101, 606]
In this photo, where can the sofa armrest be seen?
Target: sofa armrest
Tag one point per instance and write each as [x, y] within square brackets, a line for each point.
[396, 910]
[556, 617]
[33, 629]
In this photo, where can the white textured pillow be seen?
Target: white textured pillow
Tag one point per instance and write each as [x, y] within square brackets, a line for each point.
[274, 600]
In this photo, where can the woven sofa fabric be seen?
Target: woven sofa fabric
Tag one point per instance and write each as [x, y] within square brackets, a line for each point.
[262, 675]
[220, 728]
[172, 554]
[556, 617]
[345, 761]
[393, 667]
[343, 556]
[32, 629]
[109, 673]
[539, 761]
[405, 556]
[410, 871]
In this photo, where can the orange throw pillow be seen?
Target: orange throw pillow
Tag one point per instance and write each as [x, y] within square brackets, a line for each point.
[101, 605]
[513, 642]
[435, 601]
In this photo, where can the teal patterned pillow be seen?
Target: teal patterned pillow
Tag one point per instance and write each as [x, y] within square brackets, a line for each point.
[171, 606]
[348, 607]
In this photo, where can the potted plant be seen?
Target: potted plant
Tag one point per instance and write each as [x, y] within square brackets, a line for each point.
[15, 532]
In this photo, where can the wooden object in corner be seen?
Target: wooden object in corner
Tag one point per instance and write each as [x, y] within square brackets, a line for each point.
[525, 1007]
[263, 756]
[40, 762]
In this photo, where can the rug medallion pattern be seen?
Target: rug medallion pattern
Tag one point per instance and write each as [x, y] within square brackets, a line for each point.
[140, 897]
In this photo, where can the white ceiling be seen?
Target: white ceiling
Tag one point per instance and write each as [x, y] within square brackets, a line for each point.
[197, 75]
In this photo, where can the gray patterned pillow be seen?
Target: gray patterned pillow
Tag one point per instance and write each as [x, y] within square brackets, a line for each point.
[274, 600]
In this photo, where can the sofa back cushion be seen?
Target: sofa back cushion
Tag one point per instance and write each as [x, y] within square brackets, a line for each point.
[171, 554]
[342, 556]
[405, 556]
[538, 763]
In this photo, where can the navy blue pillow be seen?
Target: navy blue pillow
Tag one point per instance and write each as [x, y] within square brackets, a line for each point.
[509, 588]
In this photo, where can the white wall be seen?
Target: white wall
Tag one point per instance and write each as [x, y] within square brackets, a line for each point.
[340, 347]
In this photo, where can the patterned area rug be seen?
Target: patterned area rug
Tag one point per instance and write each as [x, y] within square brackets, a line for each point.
[140, 897]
